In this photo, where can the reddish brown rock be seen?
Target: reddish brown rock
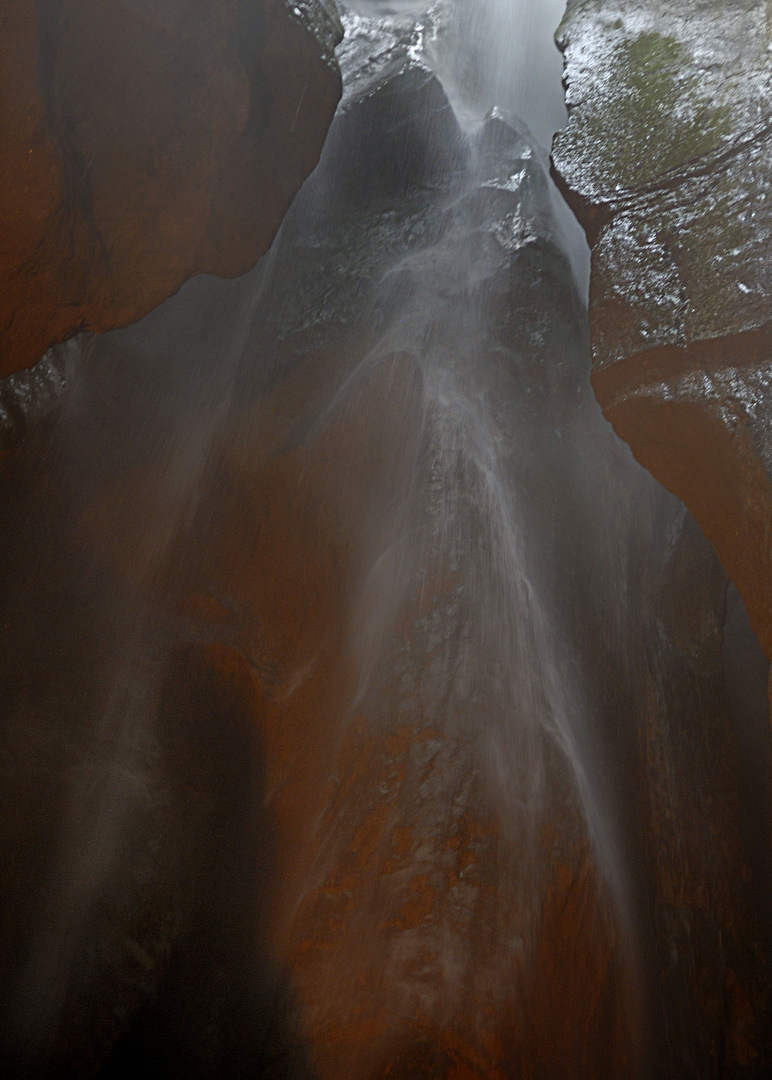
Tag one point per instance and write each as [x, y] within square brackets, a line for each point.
[425, 927]
[144, 143]
[430, 927]
[665, 160]
[425, 639]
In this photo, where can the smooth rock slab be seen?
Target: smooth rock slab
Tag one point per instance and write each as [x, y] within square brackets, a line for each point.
[144, 143]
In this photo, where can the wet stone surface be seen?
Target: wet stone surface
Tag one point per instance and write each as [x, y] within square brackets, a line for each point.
[29, 397]
[371, 655]
[666, 161]
[145, 143]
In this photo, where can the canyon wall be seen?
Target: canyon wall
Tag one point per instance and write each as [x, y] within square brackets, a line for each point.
[665, 160]
[373, 690]
[363, 702]
[144, 143]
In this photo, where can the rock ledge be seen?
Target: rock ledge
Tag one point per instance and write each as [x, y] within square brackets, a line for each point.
[666, 162]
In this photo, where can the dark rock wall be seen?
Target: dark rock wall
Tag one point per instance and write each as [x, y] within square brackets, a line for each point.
[144, 143]
[363, 702]
[665, 160]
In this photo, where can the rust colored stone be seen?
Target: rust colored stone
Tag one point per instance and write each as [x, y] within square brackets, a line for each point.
[665, 161]
[445, 898]
[144, 143]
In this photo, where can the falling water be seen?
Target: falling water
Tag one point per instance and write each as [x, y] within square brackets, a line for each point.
[345, 652]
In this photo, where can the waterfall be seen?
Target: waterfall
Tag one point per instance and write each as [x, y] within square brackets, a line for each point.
[364, 699]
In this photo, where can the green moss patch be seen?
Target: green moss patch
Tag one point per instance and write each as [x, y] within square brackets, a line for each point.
[654, 119]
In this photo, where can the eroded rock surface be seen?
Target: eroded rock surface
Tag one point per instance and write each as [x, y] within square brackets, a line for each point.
[143, 143]
[29, 396]
[368, 650]
[382, 559]
[666, 161]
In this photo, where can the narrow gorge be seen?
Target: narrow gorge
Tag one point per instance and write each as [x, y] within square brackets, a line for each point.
[370, 710]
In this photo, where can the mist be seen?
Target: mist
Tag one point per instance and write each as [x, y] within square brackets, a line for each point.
[368, 710]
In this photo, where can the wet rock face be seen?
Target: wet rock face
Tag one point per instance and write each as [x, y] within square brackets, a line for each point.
[29, 396]
[378, 664]
[144, 143]
[665, 160]
[474, 649]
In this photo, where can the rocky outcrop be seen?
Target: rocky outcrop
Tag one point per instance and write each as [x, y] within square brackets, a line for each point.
[666, 161]
[473, 648]
[29, 396]
[146, 142]
[374, 692]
